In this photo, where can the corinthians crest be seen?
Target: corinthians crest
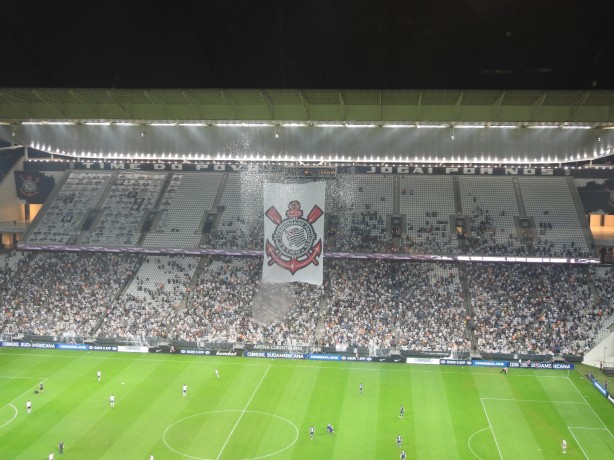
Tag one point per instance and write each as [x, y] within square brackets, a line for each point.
[294, 245]
[29, 184]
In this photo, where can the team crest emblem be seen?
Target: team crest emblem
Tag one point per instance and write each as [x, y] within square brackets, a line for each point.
[294, 245]
[29, 185]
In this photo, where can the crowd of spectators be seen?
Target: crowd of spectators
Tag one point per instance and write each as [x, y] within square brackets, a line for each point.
[432, 239]
[362, 308]
[10, 263]
[604, 302]
[387, 304]
[146, 308]
[487, 244]
[237, 233]
[530, 308]
[546, 247]
[514, 308]
[376, 304]
[62, 295]
[223, 304]
[216, 305]
[541, 309]
[487, 237]
[363, 231]
[432, 310]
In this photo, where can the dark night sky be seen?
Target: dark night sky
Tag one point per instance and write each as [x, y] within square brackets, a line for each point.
[379, 44]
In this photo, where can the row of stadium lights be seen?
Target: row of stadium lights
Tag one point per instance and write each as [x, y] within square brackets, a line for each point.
[336, 159]
[285, 158]
[413, 164]
[451, 126]
[320, 125]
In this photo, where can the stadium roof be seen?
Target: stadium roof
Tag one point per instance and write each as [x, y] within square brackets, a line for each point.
[592, 108]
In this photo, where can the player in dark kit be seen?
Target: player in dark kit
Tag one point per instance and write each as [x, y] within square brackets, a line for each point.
[41, 387]
[61, 447]
[330, 428]
[504, 371]
[403, 455]
[402, 411]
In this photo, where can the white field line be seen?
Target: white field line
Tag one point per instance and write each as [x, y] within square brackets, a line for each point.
[18, 397]
[578, 443]
[491, 428]
[20, 378]
[591, 407]
[23, 394]
[536, 401]
[243, 413]
[13, 418]
[585, 428]
[406, 368]
[471, 438]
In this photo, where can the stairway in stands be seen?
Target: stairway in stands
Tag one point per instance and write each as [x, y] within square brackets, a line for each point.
[462, 275]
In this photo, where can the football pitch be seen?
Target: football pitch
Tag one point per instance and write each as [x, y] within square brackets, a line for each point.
[262, 408]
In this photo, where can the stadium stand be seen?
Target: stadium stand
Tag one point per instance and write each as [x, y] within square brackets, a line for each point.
[222, 210]
[381, 306]
[221, 305]
[549, 202]
[428, 203]
[491, 203]
[129, 197]
[62, 219]
[604, 306]
[541, 309]
[8, 160]
[62, 295]
[145, 307]
[184, 205]
[361, 204]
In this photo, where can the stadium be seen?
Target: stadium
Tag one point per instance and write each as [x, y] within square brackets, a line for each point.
[276, 273]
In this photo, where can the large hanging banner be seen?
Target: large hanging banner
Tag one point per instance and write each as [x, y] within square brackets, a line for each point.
[33, 187]
[597, 195]
[294, 232]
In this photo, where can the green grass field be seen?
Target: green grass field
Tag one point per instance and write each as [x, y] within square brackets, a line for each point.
[263, 409]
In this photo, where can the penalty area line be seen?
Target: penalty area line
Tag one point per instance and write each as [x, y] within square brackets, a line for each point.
[586, 428]
[578, 442]
[590, 407]
[536, 401]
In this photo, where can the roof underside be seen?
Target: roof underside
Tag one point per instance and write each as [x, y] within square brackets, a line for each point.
[298, 124]
[450, 106]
